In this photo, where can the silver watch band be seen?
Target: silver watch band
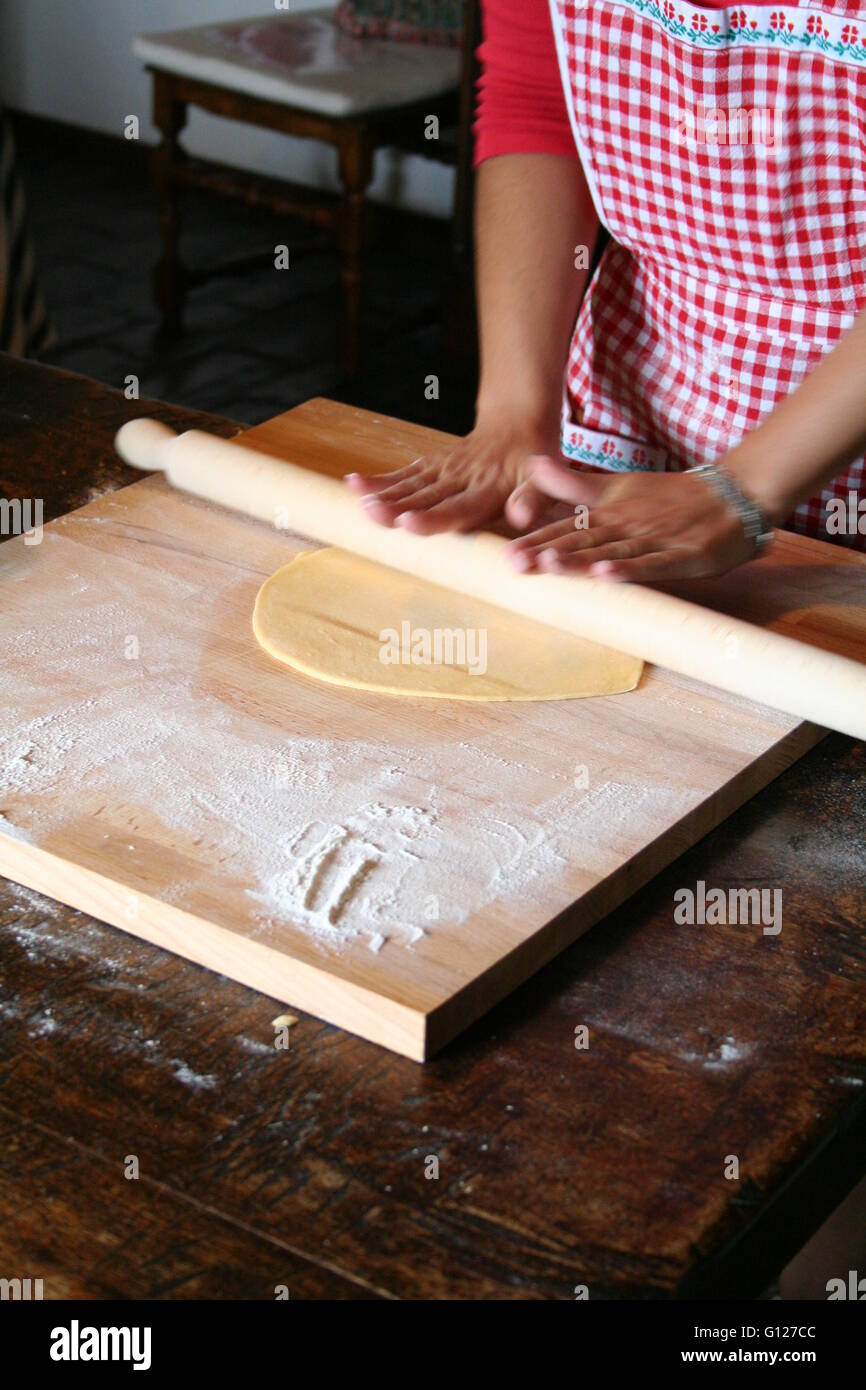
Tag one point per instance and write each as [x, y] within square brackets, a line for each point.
[755, 527]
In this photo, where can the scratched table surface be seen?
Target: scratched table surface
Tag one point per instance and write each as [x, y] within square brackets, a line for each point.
[557, 1166]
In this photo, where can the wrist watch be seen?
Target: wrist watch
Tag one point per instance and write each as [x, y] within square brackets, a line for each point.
[755, 525]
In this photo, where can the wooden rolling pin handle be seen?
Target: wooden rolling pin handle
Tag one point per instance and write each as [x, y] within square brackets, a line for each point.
[145, 444]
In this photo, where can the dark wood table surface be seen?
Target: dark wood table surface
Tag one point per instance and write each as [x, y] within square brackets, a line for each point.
[557, 1167]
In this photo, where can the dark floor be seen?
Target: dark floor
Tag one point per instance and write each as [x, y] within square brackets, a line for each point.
[255, 343]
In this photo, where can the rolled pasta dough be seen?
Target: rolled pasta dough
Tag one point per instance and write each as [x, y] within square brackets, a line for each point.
[347, 621]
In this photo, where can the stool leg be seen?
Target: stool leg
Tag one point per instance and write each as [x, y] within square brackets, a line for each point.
[356, 171]
[169, 116]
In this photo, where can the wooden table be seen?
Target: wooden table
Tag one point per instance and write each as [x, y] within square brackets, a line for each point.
[557, 1167]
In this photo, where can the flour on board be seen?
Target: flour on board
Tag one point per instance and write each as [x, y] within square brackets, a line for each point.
[343, 839]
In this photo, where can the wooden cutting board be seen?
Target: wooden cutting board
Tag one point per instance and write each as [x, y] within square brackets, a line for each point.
[393, 866]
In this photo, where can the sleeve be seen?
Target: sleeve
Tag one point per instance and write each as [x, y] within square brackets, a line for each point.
[521, 105]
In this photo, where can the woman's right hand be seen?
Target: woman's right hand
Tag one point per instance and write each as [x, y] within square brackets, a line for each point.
[485, 475]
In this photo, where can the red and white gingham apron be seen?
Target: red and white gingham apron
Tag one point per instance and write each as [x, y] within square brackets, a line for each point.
[739, 252]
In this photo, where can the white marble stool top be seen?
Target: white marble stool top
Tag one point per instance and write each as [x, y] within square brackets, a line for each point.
[304, 60]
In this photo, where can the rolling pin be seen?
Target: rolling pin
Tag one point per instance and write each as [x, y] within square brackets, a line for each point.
[725, 652]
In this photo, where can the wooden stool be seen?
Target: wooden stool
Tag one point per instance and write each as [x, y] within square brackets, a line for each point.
[302, 76]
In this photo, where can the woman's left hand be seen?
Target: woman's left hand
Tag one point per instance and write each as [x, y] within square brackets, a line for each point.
[635, 526]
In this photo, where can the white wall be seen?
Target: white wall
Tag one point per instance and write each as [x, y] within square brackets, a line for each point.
[72, 60]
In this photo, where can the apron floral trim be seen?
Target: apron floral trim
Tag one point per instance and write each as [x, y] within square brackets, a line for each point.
[786, 27]
[609, 451]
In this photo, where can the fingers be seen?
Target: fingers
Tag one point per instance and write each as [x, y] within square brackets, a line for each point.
[559, 538]
[378, 482]
[392, 507]
[427, 496]
[557, 480]
[525, 507]
[525, 550]
[535, 540]
[407, 487]
[467, 488]
[639, 528]
[635, 561]
[658, 565]
[466, 508]
[562, 559]
[604, 552]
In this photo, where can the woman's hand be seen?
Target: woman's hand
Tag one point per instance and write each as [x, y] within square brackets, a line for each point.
[634, 526]
[483, 476]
